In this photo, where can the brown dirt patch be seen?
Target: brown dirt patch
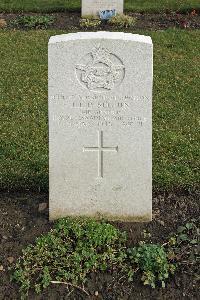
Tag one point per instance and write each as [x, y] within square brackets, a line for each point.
[70, 21]
[22, 220]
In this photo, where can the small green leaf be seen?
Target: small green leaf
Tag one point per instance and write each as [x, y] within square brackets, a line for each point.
[181, 229]
[172, 241]
[189, 225]
[193, 242]
[183, 237]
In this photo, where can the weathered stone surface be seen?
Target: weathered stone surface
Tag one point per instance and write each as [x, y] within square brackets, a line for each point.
[92, 7]
[100, 127]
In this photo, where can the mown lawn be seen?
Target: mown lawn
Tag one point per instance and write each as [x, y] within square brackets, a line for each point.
[24, 122]
[61, 5]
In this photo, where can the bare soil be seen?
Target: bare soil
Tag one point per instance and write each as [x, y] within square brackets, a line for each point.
[70, 21]
[23, 218]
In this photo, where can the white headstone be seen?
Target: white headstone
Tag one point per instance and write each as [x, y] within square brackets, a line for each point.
[100, 125]
[92, 7]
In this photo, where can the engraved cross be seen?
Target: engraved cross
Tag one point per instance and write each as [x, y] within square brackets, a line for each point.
[100, 149]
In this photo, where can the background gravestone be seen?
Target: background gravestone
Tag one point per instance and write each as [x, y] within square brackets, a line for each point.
[100, 127]
[92, 7]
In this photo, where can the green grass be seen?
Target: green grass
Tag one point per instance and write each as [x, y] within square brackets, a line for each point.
[23, 98]
[161, 5]
[61, 5]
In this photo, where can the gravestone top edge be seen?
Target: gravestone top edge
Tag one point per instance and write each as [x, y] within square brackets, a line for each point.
[100, 35]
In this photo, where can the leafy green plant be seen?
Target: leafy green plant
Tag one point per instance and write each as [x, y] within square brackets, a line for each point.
[32, 22]
[121, 21]
[74, 248]
[183, 247]
[152, 260]
[89, 22]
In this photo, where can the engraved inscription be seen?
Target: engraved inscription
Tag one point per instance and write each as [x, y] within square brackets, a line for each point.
[100, 110]
[93, 7]
[100, 150]
[100, 70]
[56, 99]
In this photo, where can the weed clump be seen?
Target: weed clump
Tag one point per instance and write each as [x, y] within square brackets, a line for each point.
[122, 21]
[68, 253]
[32, 22]
[152, 260]
[183, 247]
[77, 247]
[89, 22]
